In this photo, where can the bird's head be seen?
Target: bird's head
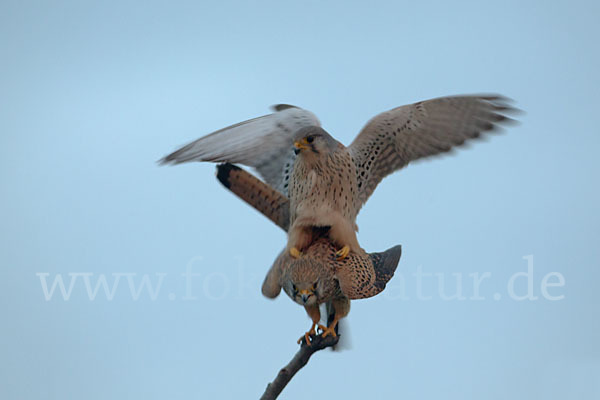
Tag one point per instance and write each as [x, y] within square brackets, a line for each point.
[314, 140]
[303, 282]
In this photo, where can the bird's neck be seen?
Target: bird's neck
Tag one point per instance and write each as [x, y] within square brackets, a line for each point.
[310, 160]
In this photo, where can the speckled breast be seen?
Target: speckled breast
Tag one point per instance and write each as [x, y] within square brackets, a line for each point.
[326, 186]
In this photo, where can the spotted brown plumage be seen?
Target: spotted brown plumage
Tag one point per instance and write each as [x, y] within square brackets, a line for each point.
[328, 183]
[357, 276]
[396, 137]
[321, 191]
[318, 275]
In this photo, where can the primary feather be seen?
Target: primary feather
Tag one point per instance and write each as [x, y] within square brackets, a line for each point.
[264, 143]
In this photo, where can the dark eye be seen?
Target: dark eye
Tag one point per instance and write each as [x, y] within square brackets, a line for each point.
[314, 286]
[294, 288]
[310, 139]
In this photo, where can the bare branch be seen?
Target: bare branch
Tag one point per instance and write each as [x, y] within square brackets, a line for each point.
[300, 359]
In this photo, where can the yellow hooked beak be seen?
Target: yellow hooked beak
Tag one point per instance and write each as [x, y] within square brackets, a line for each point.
[304, 295]
[301, 145]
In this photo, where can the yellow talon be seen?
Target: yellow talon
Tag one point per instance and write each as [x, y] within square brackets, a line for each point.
[343, 252]
[308, 334]
[294, 252]
[329, 331]
[306, 337]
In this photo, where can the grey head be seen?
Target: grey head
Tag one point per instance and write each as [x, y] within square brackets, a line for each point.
[314, 140]
[304, 281]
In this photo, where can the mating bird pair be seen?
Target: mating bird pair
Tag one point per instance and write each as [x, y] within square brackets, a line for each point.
[315, 187]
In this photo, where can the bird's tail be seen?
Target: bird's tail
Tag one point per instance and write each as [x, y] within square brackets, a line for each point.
[256, 193]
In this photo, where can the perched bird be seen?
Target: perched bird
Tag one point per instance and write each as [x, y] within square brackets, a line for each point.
[328, 183]
[319, 276]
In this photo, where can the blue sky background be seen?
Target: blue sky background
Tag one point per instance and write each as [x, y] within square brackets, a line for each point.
[93, 93]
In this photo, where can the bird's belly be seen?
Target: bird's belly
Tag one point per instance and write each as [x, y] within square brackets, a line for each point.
[319, 215]
[318, 210]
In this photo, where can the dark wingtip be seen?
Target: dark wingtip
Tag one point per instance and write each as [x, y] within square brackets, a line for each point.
[163, 161]
[170, 159]
[385, 265]
[281, 107]
[392, 256]
[223, 171]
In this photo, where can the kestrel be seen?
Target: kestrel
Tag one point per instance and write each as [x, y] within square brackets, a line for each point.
[319, 276]
[328, 183]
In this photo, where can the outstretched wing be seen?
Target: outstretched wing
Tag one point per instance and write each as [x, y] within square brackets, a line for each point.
[394, 138]
[264, 143]
[268, 201]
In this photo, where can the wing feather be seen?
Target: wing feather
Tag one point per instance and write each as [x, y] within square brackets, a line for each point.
[396, 137]
[264, 143]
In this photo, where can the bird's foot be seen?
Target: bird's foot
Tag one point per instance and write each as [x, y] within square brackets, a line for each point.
[294, 252]
[311, 332]
[342, 253]
[330, 330]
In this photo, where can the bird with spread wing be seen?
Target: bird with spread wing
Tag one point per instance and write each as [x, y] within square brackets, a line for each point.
[319, 276]
[327, 183]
